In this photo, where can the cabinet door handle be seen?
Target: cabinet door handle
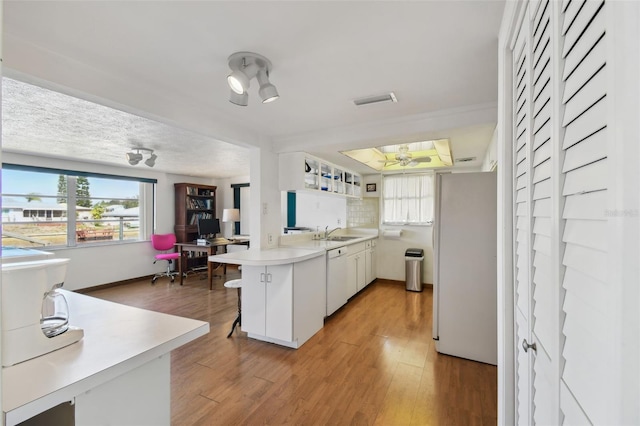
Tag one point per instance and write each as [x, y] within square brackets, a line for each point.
[526, 346]
[268, 278]
[262, 275]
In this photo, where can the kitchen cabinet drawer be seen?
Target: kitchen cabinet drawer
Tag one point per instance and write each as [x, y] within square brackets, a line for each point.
[357, 247]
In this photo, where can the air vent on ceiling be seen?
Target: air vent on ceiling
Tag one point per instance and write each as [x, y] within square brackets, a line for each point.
[465, 159]
[387, 97]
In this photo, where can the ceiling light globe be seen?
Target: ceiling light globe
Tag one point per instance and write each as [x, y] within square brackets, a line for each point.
[151, 161]
[239, 99]
[239, 79]
[134, 158]
[238, 82]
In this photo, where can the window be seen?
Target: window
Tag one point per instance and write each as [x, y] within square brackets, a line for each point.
[407, 199]
[38, 209]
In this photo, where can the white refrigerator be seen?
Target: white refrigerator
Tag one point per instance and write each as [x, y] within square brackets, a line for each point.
[465, 268]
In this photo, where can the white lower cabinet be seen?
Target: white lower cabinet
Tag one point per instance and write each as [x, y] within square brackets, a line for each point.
[356, 269]
[286, 303]
[267, 297]
[142, 396]
[371, 272]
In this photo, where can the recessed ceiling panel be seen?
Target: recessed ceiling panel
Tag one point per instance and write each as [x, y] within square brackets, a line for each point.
[414, 155]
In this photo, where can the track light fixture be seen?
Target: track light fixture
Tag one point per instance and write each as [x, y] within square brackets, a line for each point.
[135, 157]
[245, 66]
[151, 161]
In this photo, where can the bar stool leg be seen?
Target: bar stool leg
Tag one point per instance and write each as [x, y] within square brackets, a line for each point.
[238, 320]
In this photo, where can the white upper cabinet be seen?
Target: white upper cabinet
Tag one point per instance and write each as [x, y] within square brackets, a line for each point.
[301, 171]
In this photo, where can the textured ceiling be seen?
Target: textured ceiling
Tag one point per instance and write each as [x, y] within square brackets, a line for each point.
[167, 60]
[37, 120]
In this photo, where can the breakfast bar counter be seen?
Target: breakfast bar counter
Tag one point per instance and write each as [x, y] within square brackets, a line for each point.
[275, 256]
[283, 293]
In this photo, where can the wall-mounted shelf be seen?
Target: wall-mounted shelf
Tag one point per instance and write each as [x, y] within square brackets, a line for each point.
[301, 171]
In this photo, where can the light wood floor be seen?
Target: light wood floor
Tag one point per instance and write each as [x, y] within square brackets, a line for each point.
[374, 362]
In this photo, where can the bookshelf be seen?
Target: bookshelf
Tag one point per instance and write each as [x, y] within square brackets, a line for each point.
[193, 202]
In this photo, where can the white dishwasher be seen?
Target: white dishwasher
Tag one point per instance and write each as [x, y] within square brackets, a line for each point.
[336, 279]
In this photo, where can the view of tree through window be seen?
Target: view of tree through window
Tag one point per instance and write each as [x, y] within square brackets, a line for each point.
[38, 209]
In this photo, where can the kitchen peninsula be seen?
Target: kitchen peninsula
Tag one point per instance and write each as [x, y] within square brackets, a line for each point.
[283, 293]
[286, 291]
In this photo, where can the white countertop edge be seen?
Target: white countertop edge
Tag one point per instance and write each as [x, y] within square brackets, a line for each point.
[275, 256]
[68, 393]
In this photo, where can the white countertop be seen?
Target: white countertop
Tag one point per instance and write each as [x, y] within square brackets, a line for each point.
[325, 244]
[18, 254]
[117, 339]
[275, 256]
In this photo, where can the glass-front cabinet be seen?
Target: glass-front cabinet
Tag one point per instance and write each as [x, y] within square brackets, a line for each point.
[311, 173]
[352, 184]
[338, 180]
[301, 171]
[355, 186]
[326, 177]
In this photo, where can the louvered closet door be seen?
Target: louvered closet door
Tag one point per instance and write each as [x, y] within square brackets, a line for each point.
[536, 289]
[522, 219]
[584, 385]
[545, 288]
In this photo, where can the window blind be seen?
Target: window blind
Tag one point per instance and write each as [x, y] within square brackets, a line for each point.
[408, 199]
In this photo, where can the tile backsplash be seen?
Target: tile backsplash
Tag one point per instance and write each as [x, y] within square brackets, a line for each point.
[363, 212]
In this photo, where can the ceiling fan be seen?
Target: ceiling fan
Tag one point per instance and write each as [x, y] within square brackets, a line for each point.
[404, 158]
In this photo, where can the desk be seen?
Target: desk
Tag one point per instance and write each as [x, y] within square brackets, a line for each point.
[210, 249]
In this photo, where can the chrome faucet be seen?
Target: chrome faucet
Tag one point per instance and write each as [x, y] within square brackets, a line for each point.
[327, 232]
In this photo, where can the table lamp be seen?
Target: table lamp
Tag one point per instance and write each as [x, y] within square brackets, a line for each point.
[231, 215]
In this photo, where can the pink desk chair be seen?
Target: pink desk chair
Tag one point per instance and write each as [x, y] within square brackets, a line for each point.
[164, 243]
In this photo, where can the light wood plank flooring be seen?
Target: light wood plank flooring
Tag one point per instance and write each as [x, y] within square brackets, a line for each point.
[374, 362]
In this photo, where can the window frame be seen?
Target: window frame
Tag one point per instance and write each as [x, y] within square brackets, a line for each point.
[146, 203]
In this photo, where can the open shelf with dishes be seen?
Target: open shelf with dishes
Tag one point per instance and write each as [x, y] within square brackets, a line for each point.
[301, 171]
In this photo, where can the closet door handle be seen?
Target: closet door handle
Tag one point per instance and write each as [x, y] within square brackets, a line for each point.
[262, 277]
[526, 346]
[268, 278]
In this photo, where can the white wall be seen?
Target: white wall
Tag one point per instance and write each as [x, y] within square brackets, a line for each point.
[265, 198]
[491, 155]
[375, 179]
[320, 210]
[390, 252]
[105, 263]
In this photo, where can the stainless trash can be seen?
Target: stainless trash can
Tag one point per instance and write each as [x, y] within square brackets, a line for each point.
[413, 258]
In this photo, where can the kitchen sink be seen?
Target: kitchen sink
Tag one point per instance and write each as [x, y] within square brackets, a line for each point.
[341, 238]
